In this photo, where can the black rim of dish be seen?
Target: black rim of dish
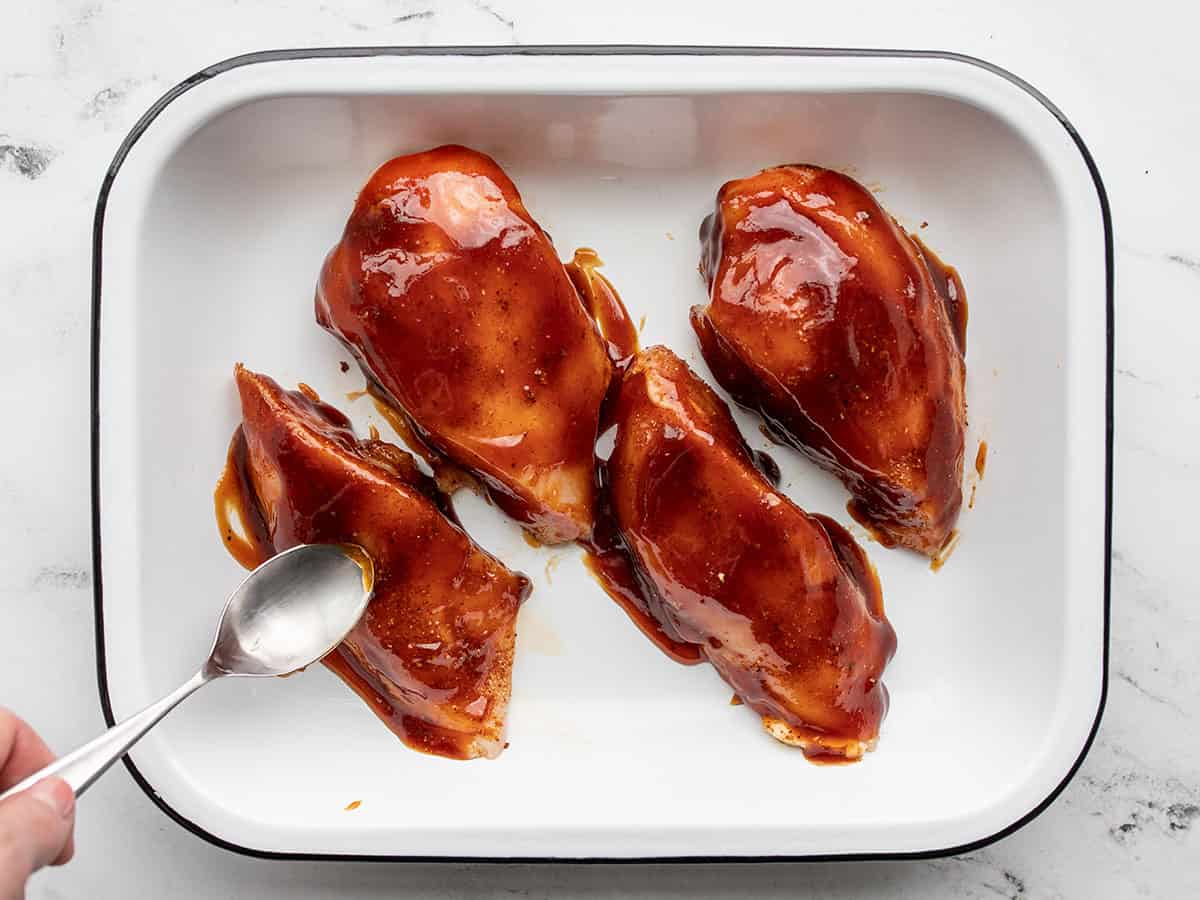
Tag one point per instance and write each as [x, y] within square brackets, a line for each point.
[585, 50]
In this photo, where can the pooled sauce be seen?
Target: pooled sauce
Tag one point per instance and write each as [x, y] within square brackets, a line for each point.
[603, 304]
[950, 288]
[611, 564]
[240, 524]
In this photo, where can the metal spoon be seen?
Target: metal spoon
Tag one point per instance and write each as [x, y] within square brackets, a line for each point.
[288, 613]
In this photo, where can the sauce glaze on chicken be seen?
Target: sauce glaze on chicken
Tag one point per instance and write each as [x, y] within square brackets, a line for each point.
[847, 337]
[433, 654]
[784, 605]
[455, 303]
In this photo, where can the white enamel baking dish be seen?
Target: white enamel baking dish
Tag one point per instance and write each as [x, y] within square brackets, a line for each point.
[210, 229]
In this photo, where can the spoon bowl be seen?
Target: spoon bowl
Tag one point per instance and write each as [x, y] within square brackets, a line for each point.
[292, 610]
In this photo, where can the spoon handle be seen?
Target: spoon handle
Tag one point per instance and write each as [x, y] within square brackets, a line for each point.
[83, 766]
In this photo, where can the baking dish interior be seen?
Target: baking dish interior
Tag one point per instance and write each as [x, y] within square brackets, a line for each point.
[615, 750]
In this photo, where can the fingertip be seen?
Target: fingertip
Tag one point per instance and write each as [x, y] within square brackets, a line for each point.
[22, 750]
[68, 851]
[32, 831]
[64, 796]
[56, 794]
[37, 825]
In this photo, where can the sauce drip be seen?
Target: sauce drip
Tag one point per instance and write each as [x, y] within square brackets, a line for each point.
[823, 756]
[359, 555]
[242, 529]
[448, 476]
[603, 304]
[605, 555]
[612, 566]
[855, 561]
[981, 458]
[862, 514]
[765, 463]
[415, 732]
[980, 465]
[950, 288]
[551, 565]
[944, 552]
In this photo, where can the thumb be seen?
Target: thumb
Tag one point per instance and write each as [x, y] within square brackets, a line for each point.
[35, 828]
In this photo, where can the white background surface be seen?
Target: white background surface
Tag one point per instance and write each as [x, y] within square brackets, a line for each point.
[73, 78]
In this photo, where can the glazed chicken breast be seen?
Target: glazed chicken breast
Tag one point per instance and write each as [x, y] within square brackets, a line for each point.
[847, 336]
[784, 605]
[433, 654]
[456, 305]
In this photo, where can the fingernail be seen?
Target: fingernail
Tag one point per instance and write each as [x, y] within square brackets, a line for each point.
[56, 794]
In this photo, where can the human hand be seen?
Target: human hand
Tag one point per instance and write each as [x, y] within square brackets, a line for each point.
[36, 826]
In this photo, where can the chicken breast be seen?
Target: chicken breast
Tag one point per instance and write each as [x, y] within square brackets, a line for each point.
[433, 654]
[847, 337]
[784, 605]
[455, 303]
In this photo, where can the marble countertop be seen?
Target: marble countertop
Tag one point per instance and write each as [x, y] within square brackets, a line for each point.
[74, 76]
